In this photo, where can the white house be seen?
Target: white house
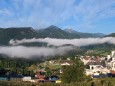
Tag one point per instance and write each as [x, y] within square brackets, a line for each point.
[85, 60]
[65, 63]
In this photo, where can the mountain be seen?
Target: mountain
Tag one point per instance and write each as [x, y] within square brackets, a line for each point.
[1, 29]
[99, 34]
[111, 35]
[85, 35]
[70, 30]
[55, 32]
[7, 34]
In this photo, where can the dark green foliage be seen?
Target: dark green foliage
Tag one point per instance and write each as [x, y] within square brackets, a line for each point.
[17, 65]
[3, 71]
[38, 44]
[48, 72]
[73, 72]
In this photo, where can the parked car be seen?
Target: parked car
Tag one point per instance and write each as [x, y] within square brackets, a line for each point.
[53, 78]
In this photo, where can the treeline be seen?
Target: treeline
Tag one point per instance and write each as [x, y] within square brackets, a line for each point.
[16, 65]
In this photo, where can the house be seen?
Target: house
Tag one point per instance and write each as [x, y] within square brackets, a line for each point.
[88, 72]
[65, 62]
[112, 53]
[39, 76]
[111, 61]
[100, 67]
[111, 65]
[95, 66]
[30, 79]
[85, 60]
[112, 72]
[27, 78]
[100, 70]
[94, 62]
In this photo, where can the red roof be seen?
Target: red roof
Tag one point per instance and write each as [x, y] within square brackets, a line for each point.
[112, 71]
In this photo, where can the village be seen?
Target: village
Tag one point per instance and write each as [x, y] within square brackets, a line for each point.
[95, 67]
[51, 70]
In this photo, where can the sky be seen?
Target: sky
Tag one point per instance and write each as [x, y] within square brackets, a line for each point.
[81, 15]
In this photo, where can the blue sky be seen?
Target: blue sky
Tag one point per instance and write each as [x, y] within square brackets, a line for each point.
[80, 15]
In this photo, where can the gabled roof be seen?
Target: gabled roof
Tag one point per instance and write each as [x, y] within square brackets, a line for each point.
[112, 71]
[94, 63]
[66, 61]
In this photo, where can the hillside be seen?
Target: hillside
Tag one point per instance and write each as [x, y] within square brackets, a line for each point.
[16, 33]
[111, 35]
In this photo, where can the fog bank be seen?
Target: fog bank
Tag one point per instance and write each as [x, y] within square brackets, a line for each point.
[27, 52]
[60, 42]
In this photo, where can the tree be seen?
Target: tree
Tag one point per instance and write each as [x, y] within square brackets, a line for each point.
[74, 72]
[48, 71]
[31, 69]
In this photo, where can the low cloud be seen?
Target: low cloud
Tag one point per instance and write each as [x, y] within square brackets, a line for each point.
[27, 52]
[60, 42]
